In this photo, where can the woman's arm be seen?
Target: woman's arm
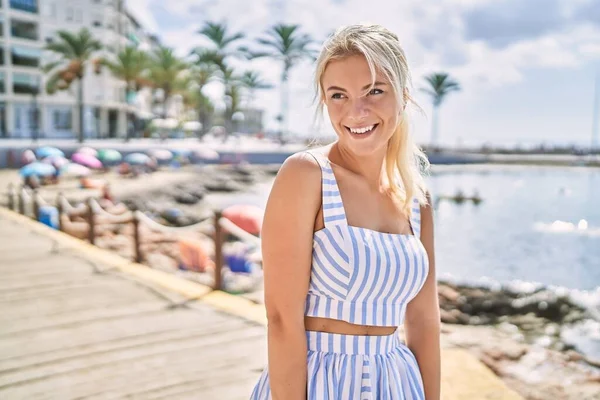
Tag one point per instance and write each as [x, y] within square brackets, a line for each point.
[422, 323]
[287, 235]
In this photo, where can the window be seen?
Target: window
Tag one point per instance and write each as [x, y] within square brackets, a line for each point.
[78, 15]
[51, 10]
[1, 26]
[1, 55]
[61, 119]
[25, 5]
[26, 56]
[17, 112]
[24, 29]
[69, 14]
[2, 87]
[25, 83]
[97, 20]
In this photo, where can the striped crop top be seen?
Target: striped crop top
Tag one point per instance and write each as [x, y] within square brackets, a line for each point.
[359, 275]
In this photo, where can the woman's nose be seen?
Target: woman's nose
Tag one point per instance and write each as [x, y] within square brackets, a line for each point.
[358, 109]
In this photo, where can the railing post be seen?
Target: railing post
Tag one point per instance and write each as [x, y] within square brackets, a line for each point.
[136, 236]
[59, 208]
[91, 233]
[11, 196]
[218, 251]
[21, 201]
[36, 205]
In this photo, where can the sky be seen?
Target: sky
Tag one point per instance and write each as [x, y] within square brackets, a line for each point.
[526, 67]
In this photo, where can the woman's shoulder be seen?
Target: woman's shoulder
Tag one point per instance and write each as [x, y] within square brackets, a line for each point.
[302, 165]
[297, 188]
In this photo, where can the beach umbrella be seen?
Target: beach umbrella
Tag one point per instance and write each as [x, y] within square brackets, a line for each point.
[86, 160]
[247, 217]
[137, 159]
[205, 153]
[48, 151]
[161, 154]
[181, 152]
[88, 150]
[55, 161]
[109, 155]
[28, 157]
[192, 126]
[73, 169]
[37, 169]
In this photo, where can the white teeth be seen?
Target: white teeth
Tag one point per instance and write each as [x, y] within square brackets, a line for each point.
[362, 130]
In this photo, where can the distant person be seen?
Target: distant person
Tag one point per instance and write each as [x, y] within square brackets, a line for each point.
[351, 258]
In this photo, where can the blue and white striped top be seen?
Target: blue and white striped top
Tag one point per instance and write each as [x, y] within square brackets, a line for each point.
[360, 275]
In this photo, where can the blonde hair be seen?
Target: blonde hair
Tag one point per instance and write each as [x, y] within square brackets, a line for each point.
[405, 162]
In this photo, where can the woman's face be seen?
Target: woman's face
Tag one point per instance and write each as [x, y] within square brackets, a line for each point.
[364, 121]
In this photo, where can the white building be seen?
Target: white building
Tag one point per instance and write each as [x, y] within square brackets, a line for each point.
[26, 27]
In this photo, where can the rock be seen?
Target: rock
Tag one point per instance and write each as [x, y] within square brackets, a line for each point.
[185, 198]
[515, 352]
[448, 317]
[494, 353]
[448, 294]
[224, 186]
[491, 364]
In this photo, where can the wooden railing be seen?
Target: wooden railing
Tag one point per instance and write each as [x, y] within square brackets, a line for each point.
[28, 202]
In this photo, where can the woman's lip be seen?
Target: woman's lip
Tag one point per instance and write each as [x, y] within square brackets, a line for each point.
[361, 127]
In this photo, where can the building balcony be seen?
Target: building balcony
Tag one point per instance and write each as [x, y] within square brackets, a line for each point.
[30, 6]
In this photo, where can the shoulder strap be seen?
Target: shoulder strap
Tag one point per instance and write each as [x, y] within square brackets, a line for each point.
[333, 208]
[415, 217]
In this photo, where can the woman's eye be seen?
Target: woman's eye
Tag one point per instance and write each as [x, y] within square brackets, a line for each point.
[375, 91]
[336, 96]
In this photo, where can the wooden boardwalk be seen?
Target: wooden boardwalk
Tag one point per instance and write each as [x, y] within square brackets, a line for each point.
[73, 329]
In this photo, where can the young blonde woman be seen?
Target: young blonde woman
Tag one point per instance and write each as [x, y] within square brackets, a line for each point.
[348, 242]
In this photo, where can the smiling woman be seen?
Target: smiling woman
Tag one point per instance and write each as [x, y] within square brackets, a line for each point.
[347, 242]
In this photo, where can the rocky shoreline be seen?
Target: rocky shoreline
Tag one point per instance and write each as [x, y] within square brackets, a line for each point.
[518, 336]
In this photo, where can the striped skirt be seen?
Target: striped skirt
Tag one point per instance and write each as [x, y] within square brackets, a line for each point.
[352, 367]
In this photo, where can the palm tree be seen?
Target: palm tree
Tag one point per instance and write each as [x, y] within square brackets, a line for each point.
[74, 52]
[165, 72]
[203, 71]
[223, 41]
[286, 44]
[231, 82]
[440, 84]
[130, 66]
[252, 81]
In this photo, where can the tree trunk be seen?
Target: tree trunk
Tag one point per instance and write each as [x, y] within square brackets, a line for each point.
[434, 126]
[284, 106]
[81, 136]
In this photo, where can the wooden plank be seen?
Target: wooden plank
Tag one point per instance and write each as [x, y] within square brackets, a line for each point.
[123, 368]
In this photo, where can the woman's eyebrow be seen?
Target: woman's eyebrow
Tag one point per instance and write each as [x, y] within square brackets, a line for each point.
[364, 87]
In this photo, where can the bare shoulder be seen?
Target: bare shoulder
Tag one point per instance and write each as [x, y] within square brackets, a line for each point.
[299, 172]
[297, 187]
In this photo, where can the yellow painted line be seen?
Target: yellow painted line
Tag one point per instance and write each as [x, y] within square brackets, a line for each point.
[464, 377]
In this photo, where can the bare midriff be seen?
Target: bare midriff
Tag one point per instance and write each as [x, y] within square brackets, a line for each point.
[328, 325]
